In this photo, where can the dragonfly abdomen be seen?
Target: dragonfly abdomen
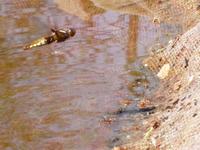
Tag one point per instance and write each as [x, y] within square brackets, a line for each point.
[40, 42]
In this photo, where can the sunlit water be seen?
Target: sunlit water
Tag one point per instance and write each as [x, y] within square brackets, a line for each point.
[55, 97]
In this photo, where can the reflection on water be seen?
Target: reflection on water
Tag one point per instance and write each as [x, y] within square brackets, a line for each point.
[178, 12]
[84, 9]
[53, 97]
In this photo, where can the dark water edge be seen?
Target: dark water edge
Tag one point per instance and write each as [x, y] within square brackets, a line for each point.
[56, 96]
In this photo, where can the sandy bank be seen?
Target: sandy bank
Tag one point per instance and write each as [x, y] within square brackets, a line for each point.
[177, 98]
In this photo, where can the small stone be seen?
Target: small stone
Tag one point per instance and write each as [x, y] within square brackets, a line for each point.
[156, 20]
[116, 148]
[143, 103]
[126, 102]
[164, 71]
[153, 141]
[119, 148]
[190, 79]
[128, 136]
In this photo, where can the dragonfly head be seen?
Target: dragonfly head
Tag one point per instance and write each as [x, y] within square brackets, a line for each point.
[71, 31]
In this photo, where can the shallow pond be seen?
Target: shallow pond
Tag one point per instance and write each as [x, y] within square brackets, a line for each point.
[66, 95]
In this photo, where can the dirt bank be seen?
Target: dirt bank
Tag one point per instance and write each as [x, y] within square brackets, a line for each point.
[178, 95]
[176, 123]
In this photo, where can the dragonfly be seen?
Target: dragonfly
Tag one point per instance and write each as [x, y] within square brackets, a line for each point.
[57, 35]
[60, 35]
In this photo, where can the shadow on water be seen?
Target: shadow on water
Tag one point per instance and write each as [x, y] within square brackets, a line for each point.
[53, 97]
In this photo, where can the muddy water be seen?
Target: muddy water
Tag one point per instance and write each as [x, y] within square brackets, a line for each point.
[61, 96]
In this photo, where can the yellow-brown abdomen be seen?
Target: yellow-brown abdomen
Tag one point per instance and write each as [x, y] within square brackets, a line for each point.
[37, 43]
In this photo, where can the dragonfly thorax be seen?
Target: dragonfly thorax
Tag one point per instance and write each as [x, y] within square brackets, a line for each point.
[62, 35]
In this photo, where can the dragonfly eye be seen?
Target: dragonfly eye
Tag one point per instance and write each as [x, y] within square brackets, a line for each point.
[72, 31]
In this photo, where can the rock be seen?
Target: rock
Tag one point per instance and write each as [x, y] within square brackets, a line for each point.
[126, 102]
[145, 105]
[164, 71]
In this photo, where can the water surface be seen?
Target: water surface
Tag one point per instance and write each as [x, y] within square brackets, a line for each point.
[56, 96]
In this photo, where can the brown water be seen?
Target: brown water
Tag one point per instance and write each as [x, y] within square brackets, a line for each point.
[55, 97]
